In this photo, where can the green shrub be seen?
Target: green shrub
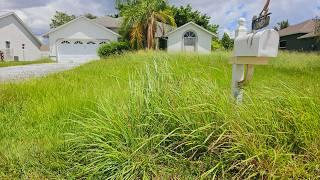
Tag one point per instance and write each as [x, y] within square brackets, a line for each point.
[113, 48]
[216, 45]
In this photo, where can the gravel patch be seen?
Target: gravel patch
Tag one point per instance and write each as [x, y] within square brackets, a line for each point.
[17, 73]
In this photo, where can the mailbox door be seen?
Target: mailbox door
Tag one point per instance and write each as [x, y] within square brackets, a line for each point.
[269, 44]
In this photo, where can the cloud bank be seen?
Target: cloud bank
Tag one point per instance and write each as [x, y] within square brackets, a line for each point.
[37, 13]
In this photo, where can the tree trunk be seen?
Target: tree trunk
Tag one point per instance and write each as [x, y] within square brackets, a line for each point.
[150, 34]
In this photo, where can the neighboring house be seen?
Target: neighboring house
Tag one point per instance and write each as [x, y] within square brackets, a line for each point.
[44, 49]
[300, 37]
[160, 39]
[79, 39]
[17, 42]
[111, 23]
[188, 38]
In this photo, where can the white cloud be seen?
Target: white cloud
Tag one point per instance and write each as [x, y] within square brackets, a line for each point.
[227, 12]
[8, 4]
[37, 13]
[38, 17]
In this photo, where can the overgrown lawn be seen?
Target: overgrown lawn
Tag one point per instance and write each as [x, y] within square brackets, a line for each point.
[166, 116]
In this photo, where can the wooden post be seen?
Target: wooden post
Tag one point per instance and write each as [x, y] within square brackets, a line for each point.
[238, 69]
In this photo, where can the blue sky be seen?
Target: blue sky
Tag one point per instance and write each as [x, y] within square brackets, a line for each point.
[37, 13]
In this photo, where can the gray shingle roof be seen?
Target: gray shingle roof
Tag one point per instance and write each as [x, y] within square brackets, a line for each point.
[304, 27]
[163, 29]
[109, 22]
[113, 23]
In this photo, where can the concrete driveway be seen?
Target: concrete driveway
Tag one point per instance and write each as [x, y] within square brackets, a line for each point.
[16, 73]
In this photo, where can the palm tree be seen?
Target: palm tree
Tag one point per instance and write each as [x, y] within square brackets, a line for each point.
[141, 17]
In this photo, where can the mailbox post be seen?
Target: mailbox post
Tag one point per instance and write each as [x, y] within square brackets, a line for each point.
[250, 49]
[238, 69]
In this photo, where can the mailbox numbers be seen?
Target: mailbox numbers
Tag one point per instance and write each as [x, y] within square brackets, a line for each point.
[261, 22]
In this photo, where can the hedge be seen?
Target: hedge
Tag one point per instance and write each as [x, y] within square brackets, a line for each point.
[113, 48]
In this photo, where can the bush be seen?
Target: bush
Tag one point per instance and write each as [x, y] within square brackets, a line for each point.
[216, 45]
[113, 48]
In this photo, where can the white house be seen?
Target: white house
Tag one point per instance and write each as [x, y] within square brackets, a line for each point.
[189, 38]
[17, 42]
[79, 39]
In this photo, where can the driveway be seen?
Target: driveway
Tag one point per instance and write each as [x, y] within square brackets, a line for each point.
[15, 73]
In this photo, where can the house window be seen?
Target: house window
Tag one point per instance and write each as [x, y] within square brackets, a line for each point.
[283, 44]
[8, 44]
[78, 42]
[23, 46]
[65, 42]
[189, 41]
[91, 42]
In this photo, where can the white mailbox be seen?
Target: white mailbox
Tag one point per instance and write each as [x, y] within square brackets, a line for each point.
[260, 44]
[249, 50]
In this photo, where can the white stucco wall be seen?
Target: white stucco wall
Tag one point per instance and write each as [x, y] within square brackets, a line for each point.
[175, 39]
[81, 29]
[13, 31]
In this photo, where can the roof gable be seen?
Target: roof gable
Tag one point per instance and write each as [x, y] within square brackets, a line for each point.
[7, 14]
[77, 19]
[304, 27]
[191, 24]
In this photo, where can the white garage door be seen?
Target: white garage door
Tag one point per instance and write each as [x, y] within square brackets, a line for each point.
[78, 51]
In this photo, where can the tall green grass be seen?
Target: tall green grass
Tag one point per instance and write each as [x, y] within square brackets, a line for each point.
[184, 125]
[164, 116]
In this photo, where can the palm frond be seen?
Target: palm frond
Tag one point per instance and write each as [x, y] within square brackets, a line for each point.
[164, 17]
[136, 36]
[140, 20]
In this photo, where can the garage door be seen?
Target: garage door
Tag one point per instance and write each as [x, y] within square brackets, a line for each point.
[78, 51]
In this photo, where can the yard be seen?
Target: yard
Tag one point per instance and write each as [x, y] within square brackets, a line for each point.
[20, 63]
[166, 116]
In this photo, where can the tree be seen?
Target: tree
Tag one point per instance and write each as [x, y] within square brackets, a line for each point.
[90, 16]
[123, 3]
[282, 25]
[183, 15]
[61, 18]
[216, 44]
[140, 18]
[227, 42]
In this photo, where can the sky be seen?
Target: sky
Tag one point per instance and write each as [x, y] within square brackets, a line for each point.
[37, 13]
